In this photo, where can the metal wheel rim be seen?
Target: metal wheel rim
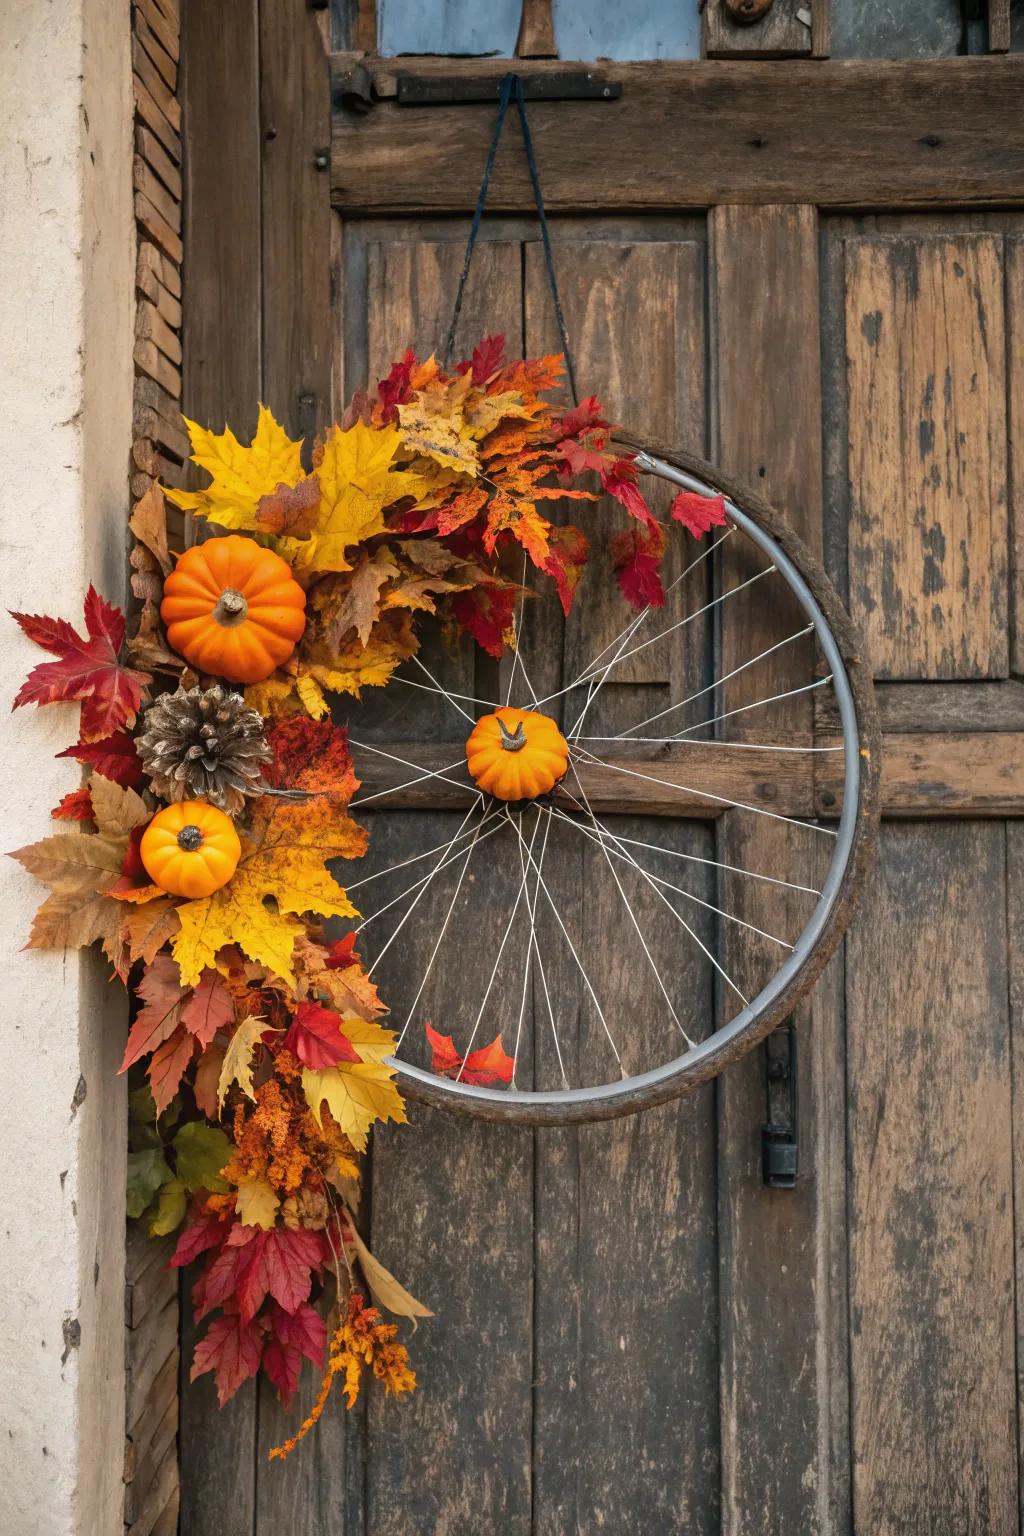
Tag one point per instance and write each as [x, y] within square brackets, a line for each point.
[848, 868]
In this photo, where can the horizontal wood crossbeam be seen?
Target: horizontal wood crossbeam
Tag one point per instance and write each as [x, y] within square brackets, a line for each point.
[838, 134]
[966, 773]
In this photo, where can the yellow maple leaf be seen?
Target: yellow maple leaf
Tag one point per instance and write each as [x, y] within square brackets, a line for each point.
[373, 1043]
[241, 475]
[237, 1064]
[384, 1288]
[358, 481]
[256, 1203]
[283, 862]
[357, 1093]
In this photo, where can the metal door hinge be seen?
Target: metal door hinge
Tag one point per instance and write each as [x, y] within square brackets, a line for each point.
[779, 1142]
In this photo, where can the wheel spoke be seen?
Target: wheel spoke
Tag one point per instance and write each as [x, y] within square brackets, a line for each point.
[422, 775]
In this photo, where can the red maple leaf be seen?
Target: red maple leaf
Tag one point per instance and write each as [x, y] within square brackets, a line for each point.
[484, 1068]
[292, 1336]
[253, 1263]
[619, 479]
[567, 556]
[316, 1038]
[698, 513]
[579, 457]
[114, 757]
[76, 805]
[341, 953]
[636, 559]
[87, 669]
[394, 390]
[232, 1350]
[486, 613]
[585, 417]
[200, 1235]
[312, 755]
[488, 357]
[162, 993]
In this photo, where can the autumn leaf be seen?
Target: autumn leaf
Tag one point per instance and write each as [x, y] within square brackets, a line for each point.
[167, 1066]
[87, 668]
[283, 859]
[76, 805]
[292, 1337]
[115, 757]
[315, 1037]
[488, 357]
[240, 476]
[148, 522]
[566, 559]
[698, 514]
[357, 482]
[488, 614]
[483, 1068]
[232, 1348]
[209, 1007]
[171, 1206]
[620, 481]
[433, 424]
[289, 511]
[356, 1093]
[200, 1235]
[256, 1204]
[163, 996]
[351, 599]
[147, 1171]
[636, 557]
[254, 1263]
[206, 1080]
[337, 975]
[237, 1066]
[311, 756]
[200, 1152]
[116, 810]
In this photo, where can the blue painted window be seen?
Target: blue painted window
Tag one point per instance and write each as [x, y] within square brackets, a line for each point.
[646, 29]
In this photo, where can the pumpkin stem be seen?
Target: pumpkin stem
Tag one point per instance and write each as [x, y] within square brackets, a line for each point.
[231, 608]
[512, 741]
[189, 839]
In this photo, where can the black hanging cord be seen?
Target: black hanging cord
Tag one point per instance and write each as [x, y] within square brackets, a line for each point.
[512, 87]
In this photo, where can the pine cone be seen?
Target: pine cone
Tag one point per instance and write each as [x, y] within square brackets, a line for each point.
[204, 743]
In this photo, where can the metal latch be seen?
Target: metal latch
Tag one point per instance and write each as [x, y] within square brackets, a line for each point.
[549, 85]
[779, 1144]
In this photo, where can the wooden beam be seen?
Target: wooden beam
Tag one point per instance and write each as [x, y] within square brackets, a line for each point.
[839, 133]
[977, 773]
[696, 780]
[749, 29]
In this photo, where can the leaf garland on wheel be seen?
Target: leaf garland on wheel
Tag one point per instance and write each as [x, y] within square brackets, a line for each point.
[196, 853]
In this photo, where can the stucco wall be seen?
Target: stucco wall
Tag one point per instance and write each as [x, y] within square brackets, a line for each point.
[66, 318]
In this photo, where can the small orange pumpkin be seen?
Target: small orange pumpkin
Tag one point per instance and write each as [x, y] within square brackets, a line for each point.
[190, 849]
[232, 609]
[517, 754]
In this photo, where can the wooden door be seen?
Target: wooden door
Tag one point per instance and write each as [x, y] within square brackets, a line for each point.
[811, 272]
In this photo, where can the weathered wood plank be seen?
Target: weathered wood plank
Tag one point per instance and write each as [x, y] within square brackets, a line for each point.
[626, 1427]
[149, 147]
[218, 1445]
[147, 72]
[451, 1212]
[147, 110]
[161, 59]
[152, 221]
[931, 1216]
[1015, 938]
[930, 707]
[304, 1495]
[845, 134]
[927, 466]
[161, 26]
[1015, 396]
[783, 1429]
[977, 773]
[701, 779]
[298, 339]
[781, 33]
[150, 325]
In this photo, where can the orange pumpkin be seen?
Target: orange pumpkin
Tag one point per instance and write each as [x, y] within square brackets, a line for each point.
[516, 754]
[232, 609]
[190, 849]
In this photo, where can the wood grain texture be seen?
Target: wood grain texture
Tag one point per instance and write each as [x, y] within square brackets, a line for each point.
[977, 773]
[930, 707]
[931, 1234]
[1015, 404]
[927, 457]
[781, 32]
[845, 134]
[1015, 940]
[298, 337]
[782, 1429]
[450, 1209]
[218, 1445]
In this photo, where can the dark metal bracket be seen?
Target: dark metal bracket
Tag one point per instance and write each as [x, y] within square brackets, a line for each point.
[779, 1135]
[556, 85]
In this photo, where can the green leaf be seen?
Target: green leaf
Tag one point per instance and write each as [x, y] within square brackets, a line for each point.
[170, 1209]
[200, 1152]
[142, 1126]
[147, 1170]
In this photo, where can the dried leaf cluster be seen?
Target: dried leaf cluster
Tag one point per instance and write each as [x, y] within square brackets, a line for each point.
[256, 1046]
